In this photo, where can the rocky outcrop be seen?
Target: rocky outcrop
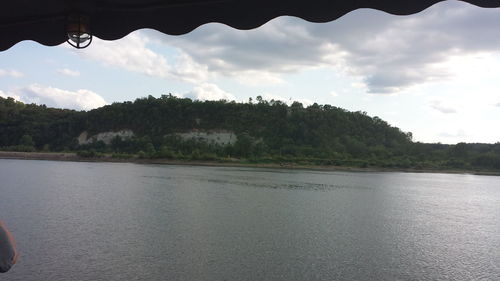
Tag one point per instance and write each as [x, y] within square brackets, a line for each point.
[105, 137]
[218, 137]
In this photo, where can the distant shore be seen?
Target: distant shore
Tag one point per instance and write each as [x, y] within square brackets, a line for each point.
[70, 156]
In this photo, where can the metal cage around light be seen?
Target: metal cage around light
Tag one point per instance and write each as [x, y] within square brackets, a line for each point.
[78, 31]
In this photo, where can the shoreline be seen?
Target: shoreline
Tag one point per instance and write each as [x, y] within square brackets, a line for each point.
[73, 157]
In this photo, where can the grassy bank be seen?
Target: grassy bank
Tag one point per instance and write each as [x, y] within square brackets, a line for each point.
[69, 156]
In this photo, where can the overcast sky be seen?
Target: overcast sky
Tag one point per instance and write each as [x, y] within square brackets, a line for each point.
[435, 74]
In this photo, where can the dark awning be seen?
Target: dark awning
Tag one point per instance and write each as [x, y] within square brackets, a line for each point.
[45, 21]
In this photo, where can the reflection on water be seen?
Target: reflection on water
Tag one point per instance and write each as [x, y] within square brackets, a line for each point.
[103, 221]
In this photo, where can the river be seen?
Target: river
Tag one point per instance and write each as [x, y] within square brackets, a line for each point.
[116, 221]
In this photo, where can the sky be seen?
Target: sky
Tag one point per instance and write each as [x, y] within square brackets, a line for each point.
[435, 74]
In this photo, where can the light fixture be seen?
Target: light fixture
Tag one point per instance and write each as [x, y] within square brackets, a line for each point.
[78, 31]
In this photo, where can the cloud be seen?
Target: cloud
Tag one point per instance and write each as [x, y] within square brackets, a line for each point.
[132, 53]
[442, 107]
[208, 91]
[10, 73]
[389, 53]
[129, 53]
[9, 95]
[53, 97]
[289, 101]
[3, 95]
[251, 56]
[305, 102]
[270, 97]
[257, 78]
[188, 70]
[460, 133]
[68, 72]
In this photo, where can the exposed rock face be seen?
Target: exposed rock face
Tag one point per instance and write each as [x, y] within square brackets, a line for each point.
[220, 137]
[105, 137]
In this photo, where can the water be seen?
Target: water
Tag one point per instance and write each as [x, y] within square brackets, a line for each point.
[105, 221]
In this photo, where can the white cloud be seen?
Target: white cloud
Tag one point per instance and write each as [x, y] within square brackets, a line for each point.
[129, 53]
[188, 70]
[68, 72]
[289, 101]
[359, 85]
[53, 97]
[460, 133]
[305, 102]
[132, 53]
[334, 94]
[10, 73]
[270, 97]
[257, 78]
[208, 91]
[9, 95]
[442, 107]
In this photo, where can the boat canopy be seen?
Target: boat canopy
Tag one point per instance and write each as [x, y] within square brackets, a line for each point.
[48, 22]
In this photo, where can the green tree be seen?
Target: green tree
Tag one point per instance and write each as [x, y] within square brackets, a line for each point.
[27, 140]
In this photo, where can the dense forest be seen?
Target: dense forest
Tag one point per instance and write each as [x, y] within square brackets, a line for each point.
[264, 132]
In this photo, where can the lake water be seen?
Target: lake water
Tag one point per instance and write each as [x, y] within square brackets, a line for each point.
[108, 221]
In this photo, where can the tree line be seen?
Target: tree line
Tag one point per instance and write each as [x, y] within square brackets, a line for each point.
[267, 132]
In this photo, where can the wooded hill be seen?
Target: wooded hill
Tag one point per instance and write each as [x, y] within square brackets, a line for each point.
[265, 131]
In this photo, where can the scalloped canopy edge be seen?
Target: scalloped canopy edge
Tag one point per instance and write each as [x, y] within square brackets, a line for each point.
[45, 21]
